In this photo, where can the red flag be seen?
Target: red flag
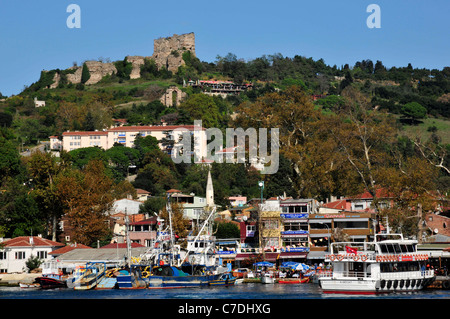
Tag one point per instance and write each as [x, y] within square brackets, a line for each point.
[351, 250]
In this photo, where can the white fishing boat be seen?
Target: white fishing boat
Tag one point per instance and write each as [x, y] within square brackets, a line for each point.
[388, 264]
[268, 278]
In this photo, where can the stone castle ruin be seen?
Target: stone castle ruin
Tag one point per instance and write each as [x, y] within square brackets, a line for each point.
[167, 52]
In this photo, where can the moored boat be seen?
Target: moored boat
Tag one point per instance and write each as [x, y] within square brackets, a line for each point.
[381, 266]
[49, 282]
[293, 280]
[33, 285]
[268, 278]
[87, 277]
[226, 279]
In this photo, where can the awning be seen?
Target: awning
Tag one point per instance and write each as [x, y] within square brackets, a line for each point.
[316, 255]
[269, 256]
[351, 219]
[319, 220]
[291, 255]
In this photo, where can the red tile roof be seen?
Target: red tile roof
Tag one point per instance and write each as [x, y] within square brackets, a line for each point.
[149, 221]
[380, 193]
[338, 204]
[24, 241]
[173, 191]
[154, 128]
[85, 133]
[68, 248]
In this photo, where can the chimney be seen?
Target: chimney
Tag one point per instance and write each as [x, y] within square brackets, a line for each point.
[31, 240]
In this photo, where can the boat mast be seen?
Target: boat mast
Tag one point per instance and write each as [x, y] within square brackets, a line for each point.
[172, 245]
[127, 223]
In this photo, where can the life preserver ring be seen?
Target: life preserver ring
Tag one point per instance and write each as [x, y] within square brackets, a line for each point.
[145, 274]
[355, 258]
[340, 257]
[363, 257]
[332, 257]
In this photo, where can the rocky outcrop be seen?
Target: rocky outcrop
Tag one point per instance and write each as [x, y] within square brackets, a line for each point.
[98, 70]
[167, 52]
[137, 62]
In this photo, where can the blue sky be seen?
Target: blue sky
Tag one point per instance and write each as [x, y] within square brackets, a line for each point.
[34, 35]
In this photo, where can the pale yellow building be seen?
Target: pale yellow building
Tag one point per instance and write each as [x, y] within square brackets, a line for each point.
[126, 135]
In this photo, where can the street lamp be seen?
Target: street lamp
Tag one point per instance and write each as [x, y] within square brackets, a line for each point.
[261, 186]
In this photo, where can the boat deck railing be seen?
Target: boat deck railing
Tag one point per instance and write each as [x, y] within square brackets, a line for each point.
[383, 275]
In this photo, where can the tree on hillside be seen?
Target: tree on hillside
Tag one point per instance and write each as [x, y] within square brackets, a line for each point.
[362, 136]
[85, 74]
[203, 107]
[86, 196]
[414, 111]
[44, 170]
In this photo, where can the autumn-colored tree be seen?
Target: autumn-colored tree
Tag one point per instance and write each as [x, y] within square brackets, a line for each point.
[180, 224]
[410, 188]
[363, 136]
[305, 139]
[87, 198]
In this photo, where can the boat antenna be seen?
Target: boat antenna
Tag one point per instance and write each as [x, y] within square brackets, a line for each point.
[169, 210]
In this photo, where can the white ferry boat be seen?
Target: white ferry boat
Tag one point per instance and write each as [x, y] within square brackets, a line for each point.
[382, 266]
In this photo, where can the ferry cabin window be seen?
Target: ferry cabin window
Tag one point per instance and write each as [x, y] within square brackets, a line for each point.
[400, 267]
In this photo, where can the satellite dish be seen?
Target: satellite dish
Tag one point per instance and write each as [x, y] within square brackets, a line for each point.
[436, 230]
[244, 218]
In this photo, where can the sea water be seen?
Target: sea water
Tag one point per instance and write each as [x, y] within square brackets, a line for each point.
[240, 300]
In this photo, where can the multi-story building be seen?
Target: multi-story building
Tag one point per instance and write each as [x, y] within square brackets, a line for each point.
[81, 139]
[168, 137]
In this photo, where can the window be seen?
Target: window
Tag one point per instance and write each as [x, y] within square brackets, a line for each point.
[42, 254]
[20, 255]
[270, 224]
[2, 255]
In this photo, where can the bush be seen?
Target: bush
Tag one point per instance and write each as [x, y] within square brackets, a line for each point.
[33, 262]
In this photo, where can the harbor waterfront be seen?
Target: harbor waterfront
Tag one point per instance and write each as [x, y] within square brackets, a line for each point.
[237, 291]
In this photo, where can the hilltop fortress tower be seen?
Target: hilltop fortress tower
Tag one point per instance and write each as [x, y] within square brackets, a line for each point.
[167, 52]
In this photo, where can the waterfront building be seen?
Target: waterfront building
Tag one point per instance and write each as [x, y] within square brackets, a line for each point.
[15, 252]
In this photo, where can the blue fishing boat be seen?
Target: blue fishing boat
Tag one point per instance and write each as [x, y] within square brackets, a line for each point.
[167, 276]
[226, 279]
[131, 278]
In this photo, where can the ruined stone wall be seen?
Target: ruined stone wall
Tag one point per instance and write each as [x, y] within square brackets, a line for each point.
[137, 62]
[172, 94]
[98, 70]
[167, 52]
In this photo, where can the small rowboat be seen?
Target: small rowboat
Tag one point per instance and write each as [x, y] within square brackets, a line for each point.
[34, 285]
[293, 280]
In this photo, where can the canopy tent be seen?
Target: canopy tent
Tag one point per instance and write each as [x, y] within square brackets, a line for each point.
[294, 266]
[263, 264]
[302, 267]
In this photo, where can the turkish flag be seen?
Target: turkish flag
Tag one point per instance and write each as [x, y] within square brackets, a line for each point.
[351, 250]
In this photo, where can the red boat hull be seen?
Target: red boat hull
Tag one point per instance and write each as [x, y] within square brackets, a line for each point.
[50, 283]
